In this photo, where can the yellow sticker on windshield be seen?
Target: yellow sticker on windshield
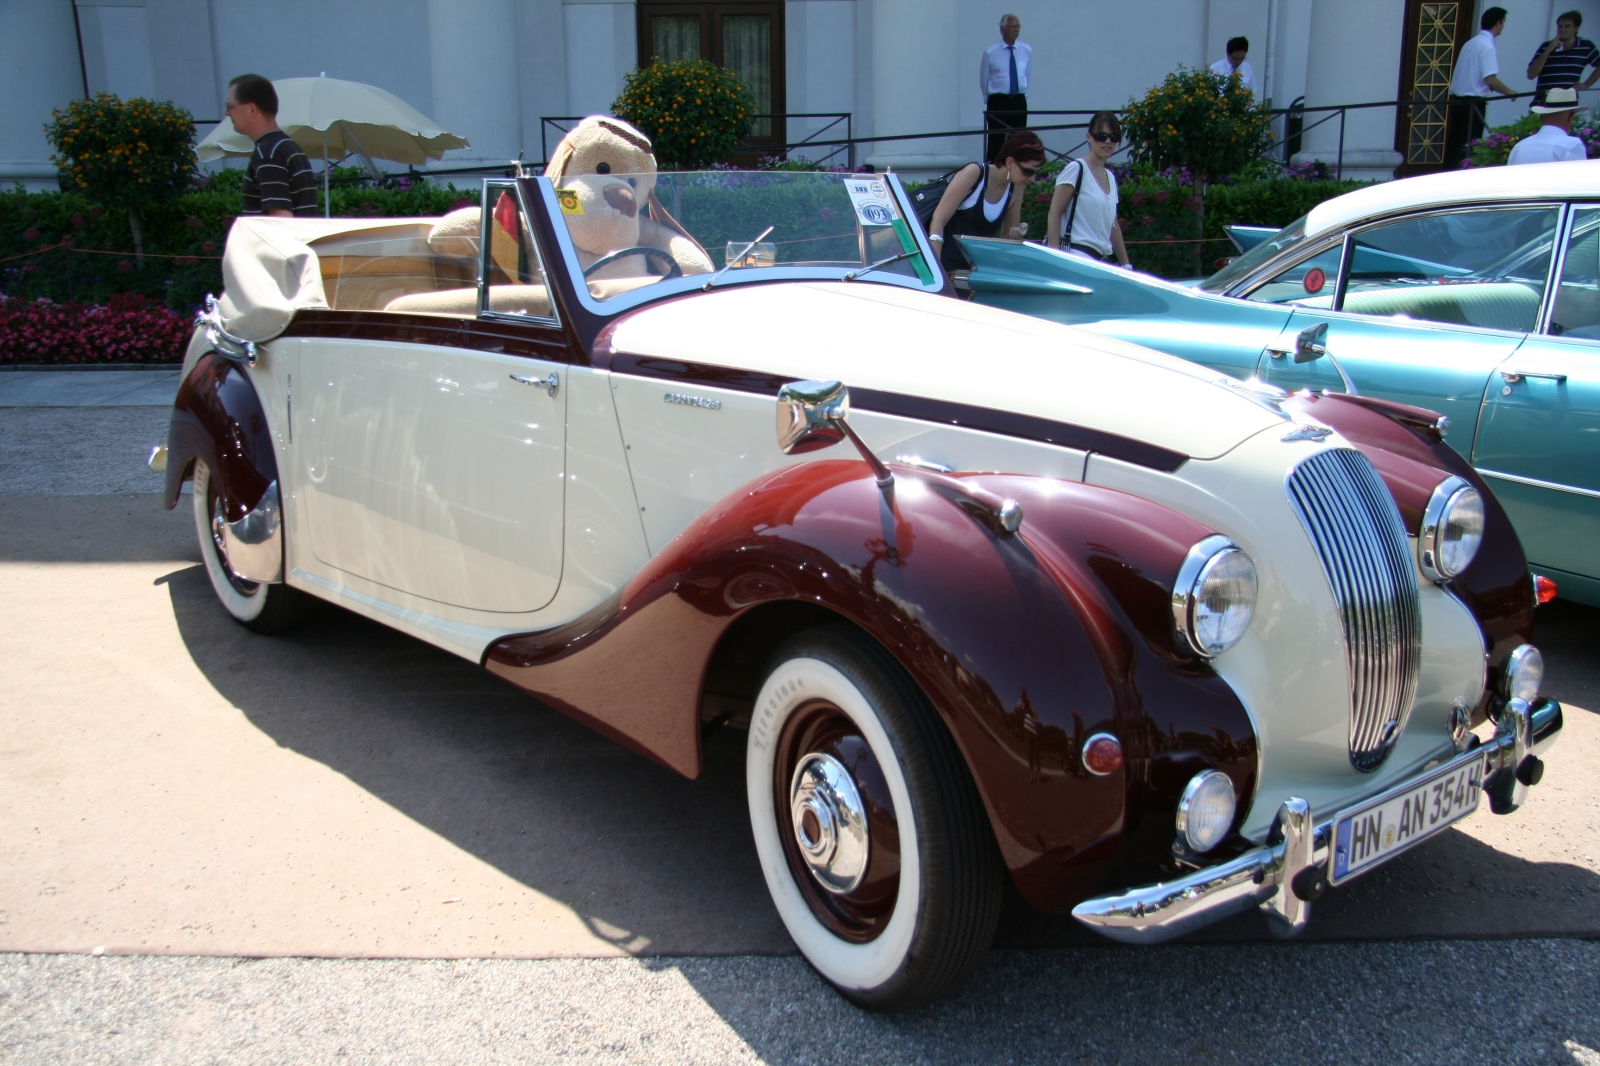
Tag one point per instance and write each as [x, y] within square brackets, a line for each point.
[570, 204]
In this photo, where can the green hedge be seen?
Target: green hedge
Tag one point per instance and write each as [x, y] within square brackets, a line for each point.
[183, 238]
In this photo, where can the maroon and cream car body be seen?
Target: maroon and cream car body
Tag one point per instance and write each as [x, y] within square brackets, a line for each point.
[992, 597]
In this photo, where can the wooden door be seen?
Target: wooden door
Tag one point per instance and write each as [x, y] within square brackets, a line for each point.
[745, 37]
[1435, 30]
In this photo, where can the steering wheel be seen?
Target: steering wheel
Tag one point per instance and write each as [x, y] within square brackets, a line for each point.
[676, 271]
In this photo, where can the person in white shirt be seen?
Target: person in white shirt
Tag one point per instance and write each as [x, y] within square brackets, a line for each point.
[1477, 78]
[1554, 142]
[1003, 79]
[1083, 209]
[1236, 65]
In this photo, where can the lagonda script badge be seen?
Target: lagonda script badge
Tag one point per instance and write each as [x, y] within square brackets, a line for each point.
[693, 401]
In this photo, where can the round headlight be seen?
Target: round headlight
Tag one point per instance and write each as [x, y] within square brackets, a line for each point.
[1452, 529]
[1214, 597]
[1205, 813]
[1524, 673]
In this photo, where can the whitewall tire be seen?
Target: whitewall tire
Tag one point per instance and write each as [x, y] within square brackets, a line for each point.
[870, 832]
[262, 608]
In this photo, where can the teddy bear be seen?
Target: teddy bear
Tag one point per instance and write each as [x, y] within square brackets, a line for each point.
[605, 176]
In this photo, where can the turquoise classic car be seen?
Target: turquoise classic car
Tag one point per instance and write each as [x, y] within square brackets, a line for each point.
[1475, 294]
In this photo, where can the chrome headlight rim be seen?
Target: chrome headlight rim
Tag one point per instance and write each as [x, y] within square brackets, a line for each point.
[1435, 519]
[1199, 783]
[1185, 592]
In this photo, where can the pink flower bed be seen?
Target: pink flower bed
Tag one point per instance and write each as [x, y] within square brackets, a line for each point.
[130, 329]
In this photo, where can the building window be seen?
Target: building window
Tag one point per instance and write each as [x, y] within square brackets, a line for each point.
[747, 38]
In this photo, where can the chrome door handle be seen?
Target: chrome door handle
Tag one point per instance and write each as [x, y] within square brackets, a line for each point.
[550, 384]
[1513, 376]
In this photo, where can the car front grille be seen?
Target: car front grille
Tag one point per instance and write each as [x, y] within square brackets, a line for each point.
[1356, 528]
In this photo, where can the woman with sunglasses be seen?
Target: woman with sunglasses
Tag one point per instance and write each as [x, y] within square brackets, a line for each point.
[1090, 222]
[986, 200]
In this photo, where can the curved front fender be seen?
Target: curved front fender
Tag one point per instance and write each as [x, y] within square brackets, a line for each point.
[218, 418]
[1025, 645]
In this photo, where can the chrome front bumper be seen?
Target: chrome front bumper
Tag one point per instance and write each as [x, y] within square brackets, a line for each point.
[1285, 875]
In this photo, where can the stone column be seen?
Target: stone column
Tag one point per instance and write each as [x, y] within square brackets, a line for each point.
[919, 69]
[476, 88]
[1354, 58]
[39, 72]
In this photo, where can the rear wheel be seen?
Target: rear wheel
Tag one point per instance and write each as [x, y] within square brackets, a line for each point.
[259, 607]
[873, 840]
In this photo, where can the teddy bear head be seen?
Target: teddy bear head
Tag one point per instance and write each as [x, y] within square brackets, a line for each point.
[604, 171]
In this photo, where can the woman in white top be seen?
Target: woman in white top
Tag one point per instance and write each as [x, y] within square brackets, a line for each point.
[986, 200]
[1087, 223]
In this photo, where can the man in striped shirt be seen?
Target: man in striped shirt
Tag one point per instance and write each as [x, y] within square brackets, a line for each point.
[278, 180]
[1558, 64]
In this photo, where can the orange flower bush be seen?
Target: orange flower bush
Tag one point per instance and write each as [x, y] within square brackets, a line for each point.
[124, 154]
[693, 111]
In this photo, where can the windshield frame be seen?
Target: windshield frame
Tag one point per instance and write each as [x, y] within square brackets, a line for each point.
[692, 283]
[1257, 259]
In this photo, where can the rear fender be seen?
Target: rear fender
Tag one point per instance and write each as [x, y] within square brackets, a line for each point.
[218, 419]
[1025, 645]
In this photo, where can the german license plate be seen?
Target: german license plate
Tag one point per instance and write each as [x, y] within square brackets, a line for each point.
[1403, 817]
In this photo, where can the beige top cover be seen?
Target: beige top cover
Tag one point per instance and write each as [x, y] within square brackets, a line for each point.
[270, 270]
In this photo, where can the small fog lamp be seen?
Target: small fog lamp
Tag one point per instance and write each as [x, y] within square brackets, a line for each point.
[1452, 529]
[1524, 673]
[1205, 813]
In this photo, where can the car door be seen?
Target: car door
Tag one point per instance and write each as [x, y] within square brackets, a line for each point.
[434, 431]
[1539, 439]
[1426, 307]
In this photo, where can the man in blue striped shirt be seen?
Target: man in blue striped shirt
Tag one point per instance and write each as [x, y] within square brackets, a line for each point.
[278, 180]
[1558, 64]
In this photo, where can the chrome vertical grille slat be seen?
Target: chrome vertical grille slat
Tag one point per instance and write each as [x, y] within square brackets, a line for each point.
[1355, 526]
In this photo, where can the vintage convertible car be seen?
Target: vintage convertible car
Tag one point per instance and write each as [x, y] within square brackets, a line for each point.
[992, 596]
[1473, 293]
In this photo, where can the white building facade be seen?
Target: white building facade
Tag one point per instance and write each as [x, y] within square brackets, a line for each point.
[491, 70]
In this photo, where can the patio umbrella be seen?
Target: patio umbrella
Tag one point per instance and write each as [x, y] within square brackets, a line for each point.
[334, 119]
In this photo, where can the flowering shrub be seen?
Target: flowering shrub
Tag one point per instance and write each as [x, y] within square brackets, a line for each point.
[129, 329]
[693, 111]
[1200, 120]
[1494, 149]
[124, 154]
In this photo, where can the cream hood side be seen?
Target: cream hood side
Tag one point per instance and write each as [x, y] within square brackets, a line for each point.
[896, 340]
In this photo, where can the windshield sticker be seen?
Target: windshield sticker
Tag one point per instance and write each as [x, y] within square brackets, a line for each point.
[872, 203]
[1315, 279]
[570, 204]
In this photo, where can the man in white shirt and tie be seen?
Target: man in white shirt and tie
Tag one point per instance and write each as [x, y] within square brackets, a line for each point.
[1237, 64]
[1554, 142]
[1003, 76]
[1477, 78]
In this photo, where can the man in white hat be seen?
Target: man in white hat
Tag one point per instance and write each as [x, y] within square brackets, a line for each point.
[1554, 142]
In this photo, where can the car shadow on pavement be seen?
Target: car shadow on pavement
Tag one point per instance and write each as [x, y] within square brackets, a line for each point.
[660, 865]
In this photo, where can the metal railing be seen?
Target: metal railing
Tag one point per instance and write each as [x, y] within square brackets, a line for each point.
[550, 123]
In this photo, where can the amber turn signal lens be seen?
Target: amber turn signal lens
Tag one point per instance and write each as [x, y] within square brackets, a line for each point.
[1102, 754]
[1544, 590]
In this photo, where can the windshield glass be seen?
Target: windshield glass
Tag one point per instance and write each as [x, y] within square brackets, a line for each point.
[629, 231]
[1251, 261]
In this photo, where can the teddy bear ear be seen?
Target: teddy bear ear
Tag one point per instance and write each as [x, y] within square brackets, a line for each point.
[559, 159]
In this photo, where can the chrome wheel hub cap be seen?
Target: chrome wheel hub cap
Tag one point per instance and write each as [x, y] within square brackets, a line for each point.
[830, 822]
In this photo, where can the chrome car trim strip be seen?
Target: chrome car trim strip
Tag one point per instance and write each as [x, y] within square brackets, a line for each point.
[1355, 526]
[946, 412]
[1294, 866]
[1536, 483]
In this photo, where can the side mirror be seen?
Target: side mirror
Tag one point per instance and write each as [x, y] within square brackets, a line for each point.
[1311, 344]
[811, 415]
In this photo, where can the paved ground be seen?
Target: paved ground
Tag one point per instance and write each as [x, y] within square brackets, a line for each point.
[172, 785]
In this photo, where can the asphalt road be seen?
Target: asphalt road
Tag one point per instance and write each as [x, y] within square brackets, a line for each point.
[304, 849]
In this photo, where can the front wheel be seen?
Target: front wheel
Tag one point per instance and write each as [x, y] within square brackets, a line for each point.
[259, 607]
[870, 831]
